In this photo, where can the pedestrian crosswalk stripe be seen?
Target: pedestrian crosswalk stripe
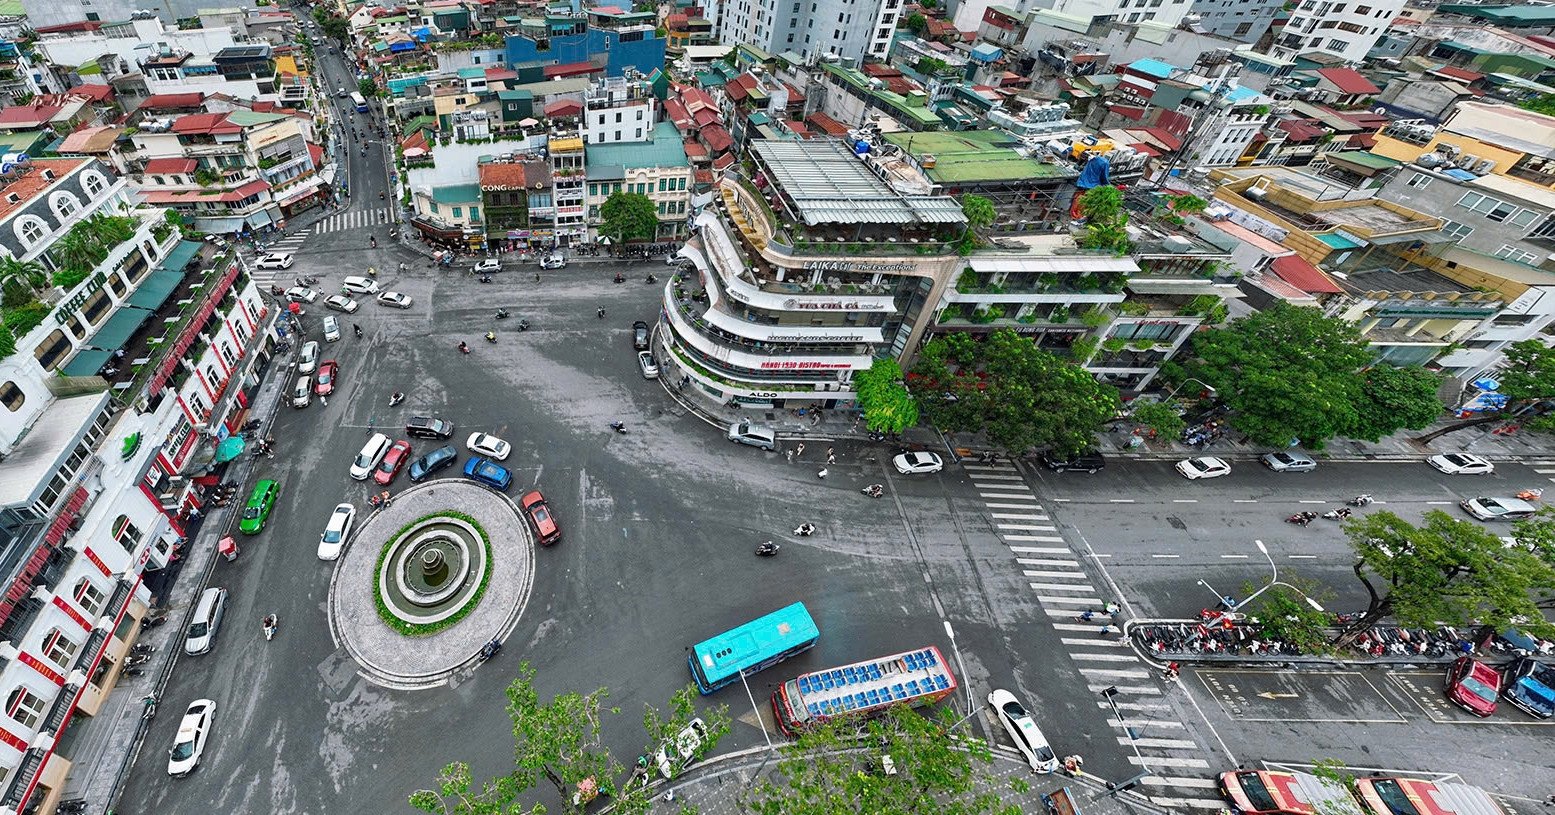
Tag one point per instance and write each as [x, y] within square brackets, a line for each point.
[1126, 673]
[1178, 781]
[1062, 587]
[1132, 690]
[1037, 561]
[1166, 761]
[1092, 641]
[977, 476]
[1139, 706]
[1078, 601]
[992, 468]
[1034, 539]
[1017, 496]
[1105, 657]
[1088, 627]
[1193, 803]
[1176, 744]
[1141, 724]
[1040, 550]
[1018, 516]
[1544, 472]
[1027, 527]
[992, 505]
[353, 219]
[1067, 612]
[1037, 573]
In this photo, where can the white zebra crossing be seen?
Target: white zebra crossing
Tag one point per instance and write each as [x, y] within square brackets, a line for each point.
[353, 219]
[1065, 590]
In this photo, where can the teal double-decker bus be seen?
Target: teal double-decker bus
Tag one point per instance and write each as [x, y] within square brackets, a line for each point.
[754, 646]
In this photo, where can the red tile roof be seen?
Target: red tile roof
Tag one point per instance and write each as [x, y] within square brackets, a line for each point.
[96, 93]
[201, 196]
[1167, 139]
[500, 74]
[716, 138]
[564, 107]
[707, 117]
[1299, 130]
[827, 124]
[34, 115]
[695, 99]
[676, 113]
[702, 178]
[695, 151]
[28, 181]
[158, 166]
[572, 69]
[739, 88]
[797, 127]
[723, 162]
[211, 123]
[1463, 74]
[1348, 80]
[316, 152]
[1297, 271]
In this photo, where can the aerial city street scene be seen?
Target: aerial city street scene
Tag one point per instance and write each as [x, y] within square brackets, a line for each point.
[484, 407]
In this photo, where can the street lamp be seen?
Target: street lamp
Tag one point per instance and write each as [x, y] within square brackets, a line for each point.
[1232, 604]
[1207, 386]
[965, 680]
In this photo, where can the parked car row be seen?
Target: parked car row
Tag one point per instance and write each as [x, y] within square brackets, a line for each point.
[1527, 683]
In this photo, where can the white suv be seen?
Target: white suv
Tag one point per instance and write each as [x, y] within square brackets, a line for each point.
[275, 260]
[753, 434]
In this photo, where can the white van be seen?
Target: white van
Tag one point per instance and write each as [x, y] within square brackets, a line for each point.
[308, 359]
[753, 434]
[207, 619]
[302, 393]
[372, 453]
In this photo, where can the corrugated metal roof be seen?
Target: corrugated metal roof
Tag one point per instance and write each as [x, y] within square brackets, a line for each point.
[829, 185]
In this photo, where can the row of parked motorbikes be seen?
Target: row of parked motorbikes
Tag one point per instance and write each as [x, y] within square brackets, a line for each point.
[1307, 517]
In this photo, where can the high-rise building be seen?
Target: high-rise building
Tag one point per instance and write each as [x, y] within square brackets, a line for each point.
[1348, 29]
[812, 28]
[1240, 20]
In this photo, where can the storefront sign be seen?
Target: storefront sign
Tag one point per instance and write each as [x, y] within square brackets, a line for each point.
[762, 395]
[854, 266]
[785, 365]
[93, 283]
[812, 337]
[795, 304]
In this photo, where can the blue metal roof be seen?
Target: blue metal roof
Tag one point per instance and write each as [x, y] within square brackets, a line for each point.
[1461, 175]
[1153, 67]
[1240, 94]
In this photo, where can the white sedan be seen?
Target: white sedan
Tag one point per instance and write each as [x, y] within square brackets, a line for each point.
[912, 463]
[687, 743]
[1023, 729]
[336, 531]
[189, 744]
[394, 299]
[1462, 464]
[487, 445]
[301, 294]
[275, 260]
[1204, 467]
[342, 303]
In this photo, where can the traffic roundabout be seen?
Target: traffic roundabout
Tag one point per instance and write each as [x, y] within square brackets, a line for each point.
[424, 583]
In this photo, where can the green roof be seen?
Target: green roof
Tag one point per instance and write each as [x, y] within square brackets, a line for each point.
[472, 72]
[457, 193]
[1337, 241]
[975, 156]
[1364, 159]
[386, 20]
[12, 8]
[666, 150]
[1520, 16]
[246, 118]
[515, 96]
[89, 69]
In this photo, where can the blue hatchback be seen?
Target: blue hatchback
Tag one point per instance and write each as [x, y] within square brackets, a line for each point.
[424, 467]
[489, 473]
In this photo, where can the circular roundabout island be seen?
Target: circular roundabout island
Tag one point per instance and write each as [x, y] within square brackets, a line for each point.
[425, 583]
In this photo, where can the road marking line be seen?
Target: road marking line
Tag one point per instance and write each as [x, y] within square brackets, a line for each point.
[992, 505]
[1106, 657]
[1544, 472]
[1035, 539]
[1142, 724]
[1019, 516]
[1438, 503]
[1311, 501]
[1244, 500]
[1302, 557]
[1192, 803]
[1162, 761]
[1067, 613]
[998, 477]
[1037, 561]
[1079, 601]
[1062, 587]
[993, 468]
[1120, 500]
[1014, 496]
[1185, 500]
[1140, 706]
[1170, 744]
[1121, 674]
[1042, 550]
[1036, 573]
[1179, 781]
[1090, 629]
[1166, 557]
[1028, 527]
[1141, 690]
[1092, 641]
[1235, 557]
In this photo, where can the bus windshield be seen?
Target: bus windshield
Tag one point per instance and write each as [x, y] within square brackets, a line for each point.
[754, 646]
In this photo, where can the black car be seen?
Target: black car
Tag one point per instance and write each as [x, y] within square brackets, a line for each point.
[640, 335]
[428, 465]
[1089, 461]
[427, 427]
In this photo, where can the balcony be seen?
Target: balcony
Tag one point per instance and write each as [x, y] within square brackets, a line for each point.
[230, 149]
[757, 223]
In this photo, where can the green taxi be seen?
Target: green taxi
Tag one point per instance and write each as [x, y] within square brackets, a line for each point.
[260, 502]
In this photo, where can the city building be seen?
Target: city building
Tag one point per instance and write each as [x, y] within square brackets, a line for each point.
[570, 39]
[1347, 30]
[802, 276]
[157, 57]
[811, 28]
[619, 109]
[1482, 138]
[1499, 215]
[116, 393]
[509, 191]
[1241, 20]
[657, 168]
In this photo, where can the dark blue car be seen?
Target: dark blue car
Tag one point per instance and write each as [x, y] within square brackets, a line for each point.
[1530, 687]
[489, 473]
[424, 467]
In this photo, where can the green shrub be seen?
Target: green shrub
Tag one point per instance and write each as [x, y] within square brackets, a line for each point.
[422, 629]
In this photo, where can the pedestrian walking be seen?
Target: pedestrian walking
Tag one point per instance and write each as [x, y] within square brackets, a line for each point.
[790, 453]
[799, 451]
[324, 399]
[831, 456]
[821, 474]
[1108, 629]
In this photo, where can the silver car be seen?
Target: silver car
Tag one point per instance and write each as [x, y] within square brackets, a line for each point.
[1287, 462]
[753, 434]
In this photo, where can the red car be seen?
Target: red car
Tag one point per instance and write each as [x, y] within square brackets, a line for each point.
[393, 460]
[1472, 685]
[328, 370]
[540, 515]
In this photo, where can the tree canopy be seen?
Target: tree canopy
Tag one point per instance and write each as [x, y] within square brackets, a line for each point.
[1105, 220]
[1528, 374]
[1165, 418]
[367, 87]
[1023, 396]
[887, 406]
[627, 216]
[836, 767]
[1291, 374]
[559, 741]
[1448, 570]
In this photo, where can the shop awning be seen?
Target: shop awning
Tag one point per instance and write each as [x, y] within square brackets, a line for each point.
[88, 362]
[177, 259]
[155, 289]
[118, 329]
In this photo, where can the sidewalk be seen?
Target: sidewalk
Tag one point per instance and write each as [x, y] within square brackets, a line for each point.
[720, 786]
[102, 749]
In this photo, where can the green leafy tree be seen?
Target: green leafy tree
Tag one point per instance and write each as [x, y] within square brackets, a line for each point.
[1165, 418]
[1105, 220]
[559, 741]
[1332, 771]
[1536, 536]
[1290, 374]
[1395, 398]
[1543, 103]
[367, 87]
[916, 23]
[1448, 570]
[1284, 615]
[887, 406]
[21, 280]
[1021, 395]
[836, 768]
[1528, 375]
[627, 216]
[978, 210]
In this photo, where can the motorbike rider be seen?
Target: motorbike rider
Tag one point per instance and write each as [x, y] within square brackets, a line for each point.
[464, 348]
[491, 336]
[356, 329]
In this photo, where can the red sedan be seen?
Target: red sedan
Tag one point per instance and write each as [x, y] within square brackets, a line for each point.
[328, 370]
[1472, 685]
[393, 461]
[540, 515]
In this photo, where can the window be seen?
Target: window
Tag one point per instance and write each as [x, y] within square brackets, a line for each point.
[12, 397]
[25, 707]
[1242, 29]
[1419, 181]
[1514, 254]
[64, 204]
[1337, 46]
[94, 182]
[433, 204]
[458, 212]
[58, 648]
[1456, 230]
[88, 596]
[475, 213]
[1524, 218]
[31, 229]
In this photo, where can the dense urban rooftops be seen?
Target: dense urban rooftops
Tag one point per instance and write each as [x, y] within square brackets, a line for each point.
[822, 182]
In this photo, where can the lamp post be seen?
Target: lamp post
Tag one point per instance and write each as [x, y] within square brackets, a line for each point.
[1232, 604]
[1207, 386]
[965, 680]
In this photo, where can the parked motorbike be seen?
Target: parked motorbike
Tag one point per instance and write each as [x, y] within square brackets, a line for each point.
[463, 348]
[133, 671]
[1362, 500]
[491, 337]
[153, 622]
[140, 659]
[767, 549]
[1301, 518]
[150, 702]
[270, 623]
[650, 278]
[523, 324]
[502, 314]
[491, 649]
[804, 530]
[143, 649]
[1337, 514]
[485, 278]
[620, 278]
[874, 490]
[396, 398]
